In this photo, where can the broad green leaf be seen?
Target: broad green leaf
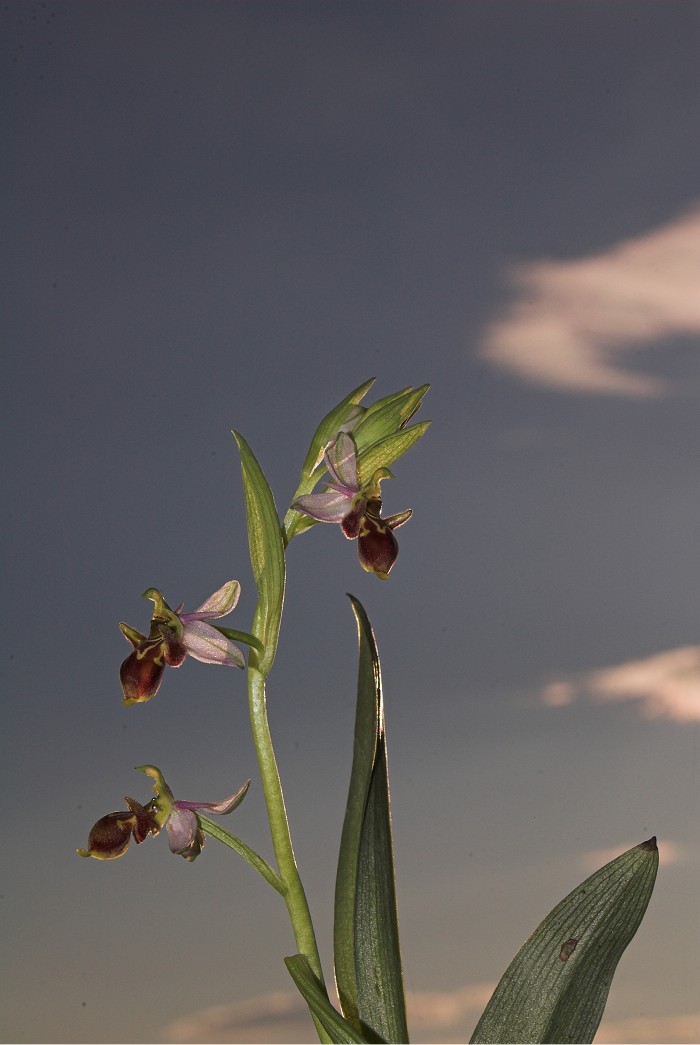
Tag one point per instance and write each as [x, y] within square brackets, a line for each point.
[366, 934]
[382, 421]
[556, 987]
[315, 996]
[266, 555]
[384, 452]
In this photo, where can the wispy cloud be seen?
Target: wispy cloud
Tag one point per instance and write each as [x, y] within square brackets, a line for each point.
[574, 322]
[665, 685]
[437, 1012]
[437, 1016]
[278, 1016]
[282, 1016]
[669, 1029]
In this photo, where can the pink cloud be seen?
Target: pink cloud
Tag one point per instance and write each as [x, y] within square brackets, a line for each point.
[573, 321]
[664, 685]
[282, 1017]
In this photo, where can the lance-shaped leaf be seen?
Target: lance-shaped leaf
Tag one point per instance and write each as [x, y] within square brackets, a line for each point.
[266, 555]
[366, 934]
[556, 987]
[315, 996]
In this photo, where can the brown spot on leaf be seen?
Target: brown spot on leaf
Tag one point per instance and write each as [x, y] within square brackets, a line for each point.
[567, 949]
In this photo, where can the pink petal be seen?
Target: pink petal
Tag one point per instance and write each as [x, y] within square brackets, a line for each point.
[217, 605]
[182, 829]
[205, 643]
[219, 808]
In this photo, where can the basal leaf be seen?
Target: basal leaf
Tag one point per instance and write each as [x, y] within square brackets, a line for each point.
[556, 987]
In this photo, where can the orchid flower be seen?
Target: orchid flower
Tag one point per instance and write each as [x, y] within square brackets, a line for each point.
[172, 637]
[110, 836]
[357, 508]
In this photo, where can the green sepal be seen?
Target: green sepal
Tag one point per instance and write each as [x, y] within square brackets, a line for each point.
[162, 612]
[266, 556]
[384, 452]
[556, 987]
[135, 637]
[387, 416]
[313, 468]
[254, 859]
[315, 996]
[240, 636]
[367, 954]
[164, 801]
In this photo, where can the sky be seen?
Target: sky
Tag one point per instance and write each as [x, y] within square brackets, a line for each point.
[227, 215]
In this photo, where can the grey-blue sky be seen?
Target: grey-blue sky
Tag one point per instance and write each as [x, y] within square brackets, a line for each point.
[225, 215]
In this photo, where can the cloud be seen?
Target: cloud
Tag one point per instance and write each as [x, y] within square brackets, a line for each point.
[665, 685]
[278, 1016]
[669, 1029]
[282, 1016]
[436, 1016]
[574, 321]
[446, 1010]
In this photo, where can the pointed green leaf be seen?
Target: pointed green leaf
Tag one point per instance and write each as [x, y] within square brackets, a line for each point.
[366, 934]
[266, 555]
[383, 420]
[314, 994]
[556, 987]
[384, 452]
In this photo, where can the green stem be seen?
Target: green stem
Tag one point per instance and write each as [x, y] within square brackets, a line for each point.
[294, 895]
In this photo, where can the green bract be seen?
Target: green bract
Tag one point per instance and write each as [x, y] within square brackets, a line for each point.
[266, 555]
[373, 429]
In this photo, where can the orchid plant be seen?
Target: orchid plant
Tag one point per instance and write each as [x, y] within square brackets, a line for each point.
[556, 987]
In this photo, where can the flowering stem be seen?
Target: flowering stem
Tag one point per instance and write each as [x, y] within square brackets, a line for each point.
[266, 545]
[294, 895]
